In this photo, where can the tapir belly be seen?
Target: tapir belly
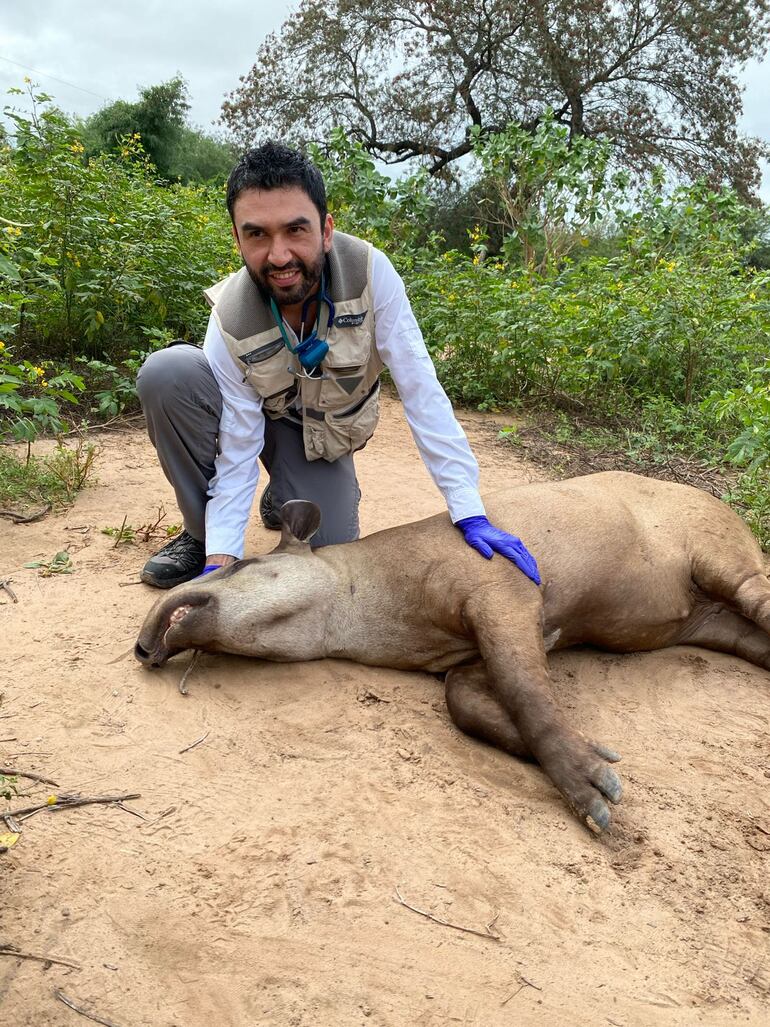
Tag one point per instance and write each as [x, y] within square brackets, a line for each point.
[643, 607]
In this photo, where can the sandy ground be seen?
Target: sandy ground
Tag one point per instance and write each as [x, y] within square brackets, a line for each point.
[259, 887]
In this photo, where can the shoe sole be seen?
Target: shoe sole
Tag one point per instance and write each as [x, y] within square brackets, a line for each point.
[149, 579]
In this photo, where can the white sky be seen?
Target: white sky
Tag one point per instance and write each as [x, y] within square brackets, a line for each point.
[87, 53]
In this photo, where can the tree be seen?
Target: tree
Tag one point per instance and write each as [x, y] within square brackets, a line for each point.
[657, 78]
[160, 119]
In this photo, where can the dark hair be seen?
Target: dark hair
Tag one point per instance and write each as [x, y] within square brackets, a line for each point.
[275, 166]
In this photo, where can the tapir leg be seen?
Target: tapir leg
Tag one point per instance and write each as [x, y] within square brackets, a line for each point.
[477, 712]
[731, 569]
[475, 709]
[713, 626]
[510, 642]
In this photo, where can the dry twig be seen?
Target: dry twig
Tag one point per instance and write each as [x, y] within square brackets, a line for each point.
[193, 744]
[5, 585]
[127, 652]
[524, 984]
[133, 812]
[487, 933]
[68, 802]
[68, 1002]
[18, 518]
[185, 676]
[12, 772]
[119, 536]
[11, 950]
[513, 994]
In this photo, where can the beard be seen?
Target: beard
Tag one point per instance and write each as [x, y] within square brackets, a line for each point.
[311, 279]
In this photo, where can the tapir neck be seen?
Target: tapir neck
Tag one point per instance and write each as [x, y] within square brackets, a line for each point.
[382, 619]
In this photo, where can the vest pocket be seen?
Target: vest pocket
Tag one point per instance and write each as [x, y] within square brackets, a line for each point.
[341, 434]
[267, 372]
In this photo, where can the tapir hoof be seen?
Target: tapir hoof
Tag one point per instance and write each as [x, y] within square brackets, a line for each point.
[586, 783]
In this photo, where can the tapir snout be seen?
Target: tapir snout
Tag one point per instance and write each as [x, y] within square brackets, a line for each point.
[184, 614]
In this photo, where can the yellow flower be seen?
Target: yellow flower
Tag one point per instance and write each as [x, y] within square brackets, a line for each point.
[52, 800]
[112, 219]
[2, 345]
[39, 371]
[44, 384]
[752, 295]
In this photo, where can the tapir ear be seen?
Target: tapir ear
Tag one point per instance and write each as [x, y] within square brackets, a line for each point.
[300, 520]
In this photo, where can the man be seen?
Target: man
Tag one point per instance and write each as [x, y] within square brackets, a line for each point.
[289, 374]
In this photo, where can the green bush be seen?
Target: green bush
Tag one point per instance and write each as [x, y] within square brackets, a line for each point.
[32, 396]
[99, 252]
[668, 317]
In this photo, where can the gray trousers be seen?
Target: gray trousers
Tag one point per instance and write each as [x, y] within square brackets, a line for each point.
[182, 405]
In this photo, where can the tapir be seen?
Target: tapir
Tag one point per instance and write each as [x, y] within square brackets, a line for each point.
[627, 563]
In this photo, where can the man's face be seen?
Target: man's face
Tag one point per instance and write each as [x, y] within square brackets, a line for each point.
[278, 232]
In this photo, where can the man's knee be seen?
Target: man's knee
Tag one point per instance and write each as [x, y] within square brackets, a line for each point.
[178, 369]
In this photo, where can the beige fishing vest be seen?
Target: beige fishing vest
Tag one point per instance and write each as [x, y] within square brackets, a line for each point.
[340, 410]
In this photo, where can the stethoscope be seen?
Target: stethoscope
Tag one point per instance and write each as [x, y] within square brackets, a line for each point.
[310, 351]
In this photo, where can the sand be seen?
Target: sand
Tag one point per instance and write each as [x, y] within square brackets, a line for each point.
[259, 885]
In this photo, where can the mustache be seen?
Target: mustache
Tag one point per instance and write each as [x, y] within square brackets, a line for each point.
[294, 265]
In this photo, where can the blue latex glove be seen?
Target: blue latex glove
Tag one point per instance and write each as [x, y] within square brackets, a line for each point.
[487, 539]
[209, 568]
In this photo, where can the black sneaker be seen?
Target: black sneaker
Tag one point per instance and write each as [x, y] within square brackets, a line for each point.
[182, 559]
[270, 516]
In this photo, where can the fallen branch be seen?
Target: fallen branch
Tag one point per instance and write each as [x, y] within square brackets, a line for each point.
[11, 950]
[18, 518]
[90, 1016]
[487, 933]
[193, 744]
[185, 676]
[68, 802]
[12, 772]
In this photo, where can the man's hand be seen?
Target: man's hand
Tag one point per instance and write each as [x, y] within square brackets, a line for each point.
[215, 561]
[486, 539]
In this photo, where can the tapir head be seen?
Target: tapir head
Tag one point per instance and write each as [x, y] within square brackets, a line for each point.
[274, 606]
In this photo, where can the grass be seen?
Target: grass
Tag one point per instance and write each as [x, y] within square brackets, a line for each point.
[30, 481]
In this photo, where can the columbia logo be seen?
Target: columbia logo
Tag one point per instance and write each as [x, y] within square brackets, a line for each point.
[350, 320]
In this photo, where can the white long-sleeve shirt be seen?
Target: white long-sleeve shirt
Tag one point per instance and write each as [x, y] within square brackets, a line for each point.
[439, 438]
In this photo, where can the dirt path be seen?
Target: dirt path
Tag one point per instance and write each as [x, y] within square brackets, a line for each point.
[260, 887]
